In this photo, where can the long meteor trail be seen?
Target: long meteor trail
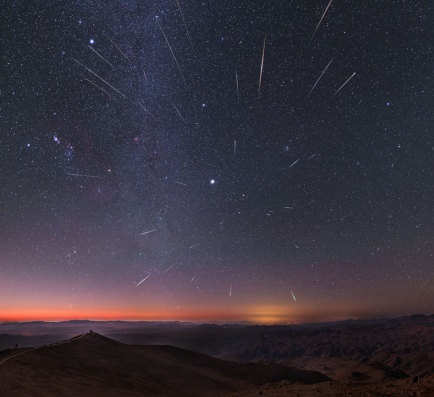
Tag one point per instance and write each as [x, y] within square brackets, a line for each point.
[185, 25]
[238, 88]
[319, 78]
[170, 48]
[179, 113]
[142, 281]
[294, 163]
[98, 87]
[343, 85]
[118, 48]
[319, 23]
[86, 175]
[262, 66]
[100, 78]
[147, 232]
[104, 59]
[170, 267]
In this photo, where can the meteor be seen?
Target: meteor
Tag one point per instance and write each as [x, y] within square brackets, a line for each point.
[319, 23]
[142, 281]
[118, 48]
[91, 71]
[104, 59]
[170, 267]
[319, 78]
[147, 232]
[262, 66]
[238, 89]
[343, 85]
[179, 113]
[185, 25]
[170, 48]
[98, 87]
[86, 176]
[294, 163]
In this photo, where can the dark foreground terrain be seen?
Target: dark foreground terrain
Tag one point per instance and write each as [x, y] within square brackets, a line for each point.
[401, 388]
[361, 357]
[93, 365]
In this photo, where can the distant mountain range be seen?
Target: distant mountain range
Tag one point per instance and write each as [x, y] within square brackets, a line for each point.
[91, 365]
[362, 351]
[356, 350]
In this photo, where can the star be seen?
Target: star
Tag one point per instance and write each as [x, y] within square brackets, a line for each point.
[103, 145]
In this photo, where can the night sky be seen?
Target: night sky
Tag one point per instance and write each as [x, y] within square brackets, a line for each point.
[265, 161]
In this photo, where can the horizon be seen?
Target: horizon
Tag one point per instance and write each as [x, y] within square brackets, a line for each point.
[205, 321]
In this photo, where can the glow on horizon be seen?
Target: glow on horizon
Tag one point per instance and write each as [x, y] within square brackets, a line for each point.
[264, 315]
[148, 315]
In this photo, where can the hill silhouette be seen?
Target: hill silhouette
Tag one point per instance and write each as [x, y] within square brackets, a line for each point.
[377, 349]
[93, 365]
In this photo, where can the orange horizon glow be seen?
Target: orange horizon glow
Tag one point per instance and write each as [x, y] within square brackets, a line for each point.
[119, 316]
[267, 315]
[276, 312]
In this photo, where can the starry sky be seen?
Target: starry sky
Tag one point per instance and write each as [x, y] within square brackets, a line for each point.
[264, 161]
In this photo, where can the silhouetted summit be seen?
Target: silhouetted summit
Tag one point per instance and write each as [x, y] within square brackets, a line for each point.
[91, 364]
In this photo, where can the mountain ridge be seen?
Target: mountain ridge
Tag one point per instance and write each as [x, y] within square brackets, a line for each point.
[91, 364]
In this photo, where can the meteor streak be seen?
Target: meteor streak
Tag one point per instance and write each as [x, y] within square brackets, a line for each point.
[185, 25]
[170, 267]
[143, 108]
[86, 176]
[179, 113]
[147, 232]
[262, 66]
[343, 85]
[104, 81]
[142, 281]
[97, 86]
[319, 23]
[294, 163]
[170, 48]
[117, 47]
[238, 89]
[319, 78]
[104, 59]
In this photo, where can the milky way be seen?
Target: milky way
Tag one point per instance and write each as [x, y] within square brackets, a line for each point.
[145, 174]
